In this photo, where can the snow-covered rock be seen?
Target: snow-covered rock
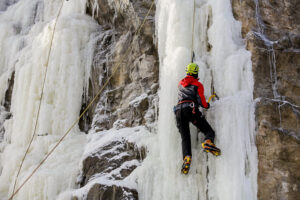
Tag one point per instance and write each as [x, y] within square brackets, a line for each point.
[109, 158]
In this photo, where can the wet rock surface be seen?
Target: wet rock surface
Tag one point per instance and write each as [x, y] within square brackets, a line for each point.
[272, 31]
[130, 97]
[105, 168]
[115, 160]
[5, 113]
[133, 56]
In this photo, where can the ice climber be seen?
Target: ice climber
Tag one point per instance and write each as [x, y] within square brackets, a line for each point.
[190, 97]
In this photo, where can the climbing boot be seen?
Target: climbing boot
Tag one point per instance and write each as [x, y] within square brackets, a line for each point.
[210, 147]
[186, 164]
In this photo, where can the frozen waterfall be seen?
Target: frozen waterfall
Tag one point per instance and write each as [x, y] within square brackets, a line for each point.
[26, 29]
[25, 32]
[220, 53]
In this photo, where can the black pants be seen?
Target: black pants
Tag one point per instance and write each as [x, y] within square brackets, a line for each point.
[183, 117]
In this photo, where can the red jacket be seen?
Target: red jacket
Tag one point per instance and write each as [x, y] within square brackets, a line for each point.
[191, 89]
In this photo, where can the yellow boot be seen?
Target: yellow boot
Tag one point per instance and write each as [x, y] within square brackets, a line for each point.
[186, 164]
[209, 146]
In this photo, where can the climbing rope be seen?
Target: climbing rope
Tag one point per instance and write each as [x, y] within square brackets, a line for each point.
[192, 49]
[41, 97]
[89, 105]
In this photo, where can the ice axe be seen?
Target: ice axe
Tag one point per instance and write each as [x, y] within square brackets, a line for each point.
[212, 96]
[193, 56]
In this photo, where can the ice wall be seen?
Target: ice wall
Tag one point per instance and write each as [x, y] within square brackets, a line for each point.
[26, 28]
[221, 55]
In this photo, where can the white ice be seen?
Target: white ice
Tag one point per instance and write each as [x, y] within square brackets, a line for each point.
[25, 33]
[232, 176]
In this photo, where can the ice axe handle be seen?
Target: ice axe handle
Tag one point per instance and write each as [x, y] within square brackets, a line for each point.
[212, 96]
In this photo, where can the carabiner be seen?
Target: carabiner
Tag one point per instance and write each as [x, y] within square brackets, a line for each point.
[192, 105]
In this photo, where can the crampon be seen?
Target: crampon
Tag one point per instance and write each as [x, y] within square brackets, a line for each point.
[186, 164]
[210, 147]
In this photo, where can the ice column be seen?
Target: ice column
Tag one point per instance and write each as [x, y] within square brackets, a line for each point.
[221, 55]
[26, 30]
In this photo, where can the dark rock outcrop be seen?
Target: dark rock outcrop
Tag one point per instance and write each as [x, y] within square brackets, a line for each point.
[5, 109]
[129, 99]
[104, 192]
[134, 56]
[4, 115]
[272, 33]
[8, 93]
[112, 161]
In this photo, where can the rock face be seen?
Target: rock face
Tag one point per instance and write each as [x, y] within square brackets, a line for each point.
[116, 160]
[272, 33]
[4, 115]
[129, 99]
[104, 192]
[133, 56]
[5, 109]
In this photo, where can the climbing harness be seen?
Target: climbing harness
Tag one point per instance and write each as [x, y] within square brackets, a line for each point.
[137, 32]
[185, 104]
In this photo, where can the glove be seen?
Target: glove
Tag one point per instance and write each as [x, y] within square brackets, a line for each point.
[208, 106]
